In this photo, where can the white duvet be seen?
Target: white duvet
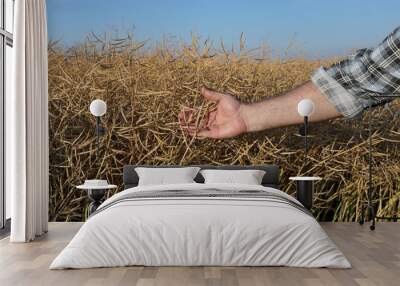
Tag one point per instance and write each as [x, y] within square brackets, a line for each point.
[200, 231]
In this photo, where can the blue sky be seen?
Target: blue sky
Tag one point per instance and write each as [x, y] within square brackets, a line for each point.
[319, 28]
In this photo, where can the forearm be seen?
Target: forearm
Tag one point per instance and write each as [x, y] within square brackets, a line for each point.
[282, 110]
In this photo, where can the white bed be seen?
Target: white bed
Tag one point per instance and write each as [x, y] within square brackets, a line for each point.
[267, 229]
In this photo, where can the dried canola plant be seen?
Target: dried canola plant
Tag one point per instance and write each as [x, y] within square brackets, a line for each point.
[145, 89]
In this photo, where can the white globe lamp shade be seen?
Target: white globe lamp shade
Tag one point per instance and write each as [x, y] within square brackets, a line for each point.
[98, 107]
[305, 107]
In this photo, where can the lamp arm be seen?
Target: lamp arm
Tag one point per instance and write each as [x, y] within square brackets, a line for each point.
[305, 139]
[97, 130]
[97, 139]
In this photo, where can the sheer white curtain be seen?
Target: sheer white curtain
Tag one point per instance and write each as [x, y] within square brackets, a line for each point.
[27, 124]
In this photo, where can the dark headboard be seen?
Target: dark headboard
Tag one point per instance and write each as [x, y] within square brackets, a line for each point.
[271, 177]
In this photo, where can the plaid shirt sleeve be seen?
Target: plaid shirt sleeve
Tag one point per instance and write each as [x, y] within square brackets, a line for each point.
[364, 78]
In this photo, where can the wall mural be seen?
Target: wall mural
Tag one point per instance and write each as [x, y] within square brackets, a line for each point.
[146, 85]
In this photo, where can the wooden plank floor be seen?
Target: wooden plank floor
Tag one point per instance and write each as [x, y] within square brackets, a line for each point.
[375, 257]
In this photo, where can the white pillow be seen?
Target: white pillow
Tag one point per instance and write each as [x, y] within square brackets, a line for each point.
[165, 176]
[248, 177]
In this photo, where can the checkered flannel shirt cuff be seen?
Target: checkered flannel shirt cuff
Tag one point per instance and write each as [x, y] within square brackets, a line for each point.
[348, 104]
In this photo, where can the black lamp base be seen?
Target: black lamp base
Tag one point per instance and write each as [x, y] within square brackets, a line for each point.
[304, 194]
[95, 197]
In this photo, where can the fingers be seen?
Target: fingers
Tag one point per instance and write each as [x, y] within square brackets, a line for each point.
[193, 128]
[182, 118]
[205, 127]
[207, 133]
[210, 94]
[202, 130]
[189, 124]
[186, 115]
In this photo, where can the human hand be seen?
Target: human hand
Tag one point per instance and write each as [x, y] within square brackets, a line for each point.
[223, 121]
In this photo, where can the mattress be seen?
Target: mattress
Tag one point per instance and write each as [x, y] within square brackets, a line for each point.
[201, 225]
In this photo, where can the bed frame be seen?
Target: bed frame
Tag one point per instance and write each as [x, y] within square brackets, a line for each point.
[270, 179]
